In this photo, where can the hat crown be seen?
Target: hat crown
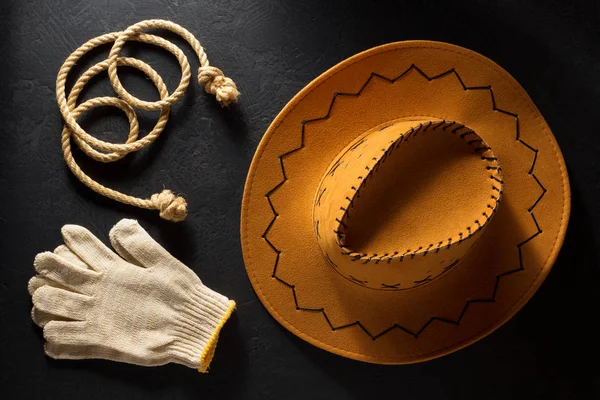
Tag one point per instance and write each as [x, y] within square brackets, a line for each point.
[410, 198]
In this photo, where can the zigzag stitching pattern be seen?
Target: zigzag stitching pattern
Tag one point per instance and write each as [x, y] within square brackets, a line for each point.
[492, 298]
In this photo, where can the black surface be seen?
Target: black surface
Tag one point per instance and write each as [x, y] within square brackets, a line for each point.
[272, 49]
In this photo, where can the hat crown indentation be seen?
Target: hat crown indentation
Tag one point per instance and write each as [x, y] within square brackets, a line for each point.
[423, 204]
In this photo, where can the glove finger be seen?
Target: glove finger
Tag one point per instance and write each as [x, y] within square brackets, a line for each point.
[37, 282]
[66, 352]
[41, 318]
[76, 340]
[136, 245]
[66, 253]
[120, 249]
[61, 303]
[67, 339]
[88, 247]
[63, 272]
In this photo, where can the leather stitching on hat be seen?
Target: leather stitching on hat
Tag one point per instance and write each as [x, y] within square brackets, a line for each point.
[403, 138]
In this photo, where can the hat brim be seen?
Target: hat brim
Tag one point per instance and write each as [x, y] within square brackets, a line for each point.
[282, 257]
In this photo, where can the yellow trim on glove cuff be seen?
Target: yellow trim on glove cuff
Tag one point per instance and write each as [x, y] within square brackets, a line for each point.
[209, 350]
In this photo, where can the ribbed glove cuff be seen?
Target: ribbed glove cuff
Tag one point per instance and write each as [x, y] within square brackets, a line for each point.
[197, 326]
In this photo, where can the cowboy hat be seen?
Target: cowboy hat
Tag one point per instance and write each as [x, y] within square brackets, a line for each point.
[404, 204]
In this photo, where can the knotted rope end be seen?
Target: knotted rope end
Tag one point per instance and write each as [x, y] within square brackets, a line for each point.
[217, 84]
[172, 207]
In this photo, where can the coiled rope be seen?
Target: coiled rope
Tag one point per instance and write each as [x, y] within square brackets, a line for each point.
[171, 206]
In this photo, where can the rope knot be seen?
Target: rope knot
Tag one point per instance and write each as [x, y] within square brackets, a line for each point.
[172, 208]
[217, 84]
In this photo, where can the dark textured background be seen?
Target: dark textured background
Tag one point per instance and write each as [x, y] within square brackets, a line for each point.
[272, 49]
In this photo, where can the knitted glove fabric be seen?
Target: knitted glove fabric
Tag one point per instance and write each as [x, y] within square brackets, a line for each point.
[140, 306]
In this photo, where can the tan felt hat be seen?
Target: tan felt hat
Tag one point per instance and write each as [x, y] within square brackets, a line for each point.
[404, 204]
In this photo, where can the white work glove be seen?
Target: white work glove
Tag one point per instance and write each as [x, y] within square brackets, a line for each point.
[145, 308]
